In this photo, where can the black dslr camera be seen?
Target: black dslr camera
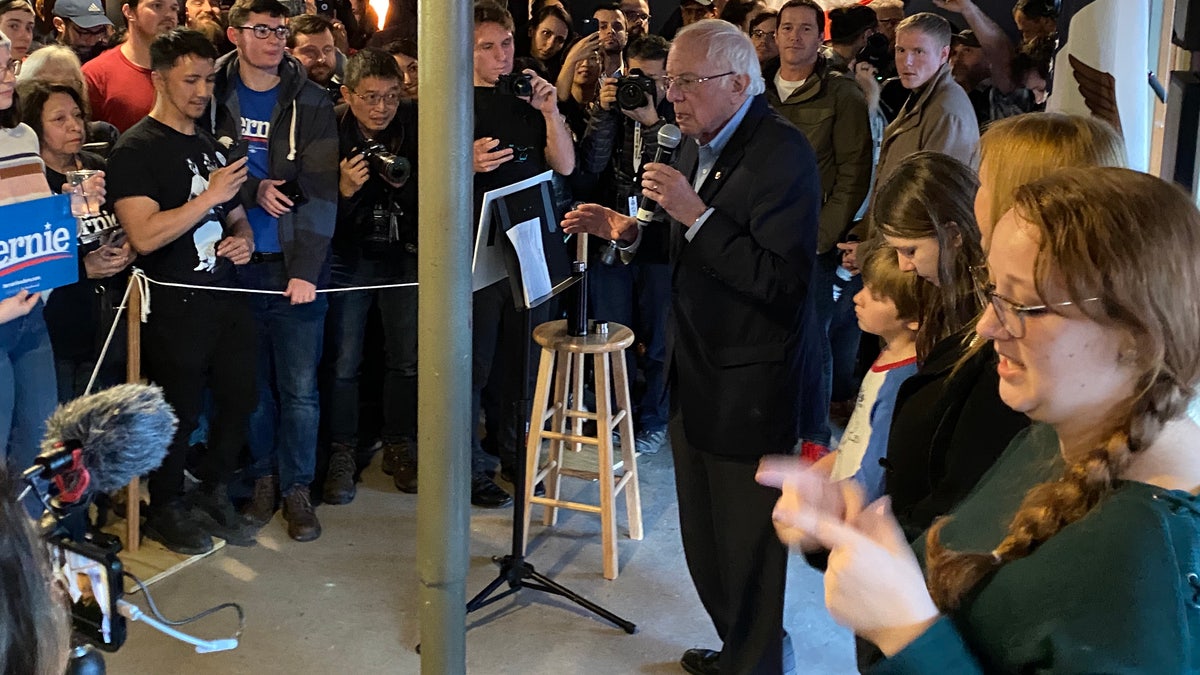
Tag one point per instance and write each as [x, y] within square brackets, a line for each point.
[383, 162]
[515, 84]
[633, 88]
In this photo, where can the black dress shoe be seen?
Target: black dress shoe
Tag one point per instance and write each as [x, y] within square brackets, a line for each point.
[700, 661]
[486, 494]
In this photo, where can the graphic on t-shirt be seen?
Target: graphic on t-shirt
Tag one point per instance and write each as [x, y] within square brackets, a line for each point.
[209, 233]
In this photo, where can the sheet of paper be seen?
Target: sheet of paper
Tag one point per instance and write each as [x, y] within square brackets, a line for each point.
[487, 262]
[526, 238]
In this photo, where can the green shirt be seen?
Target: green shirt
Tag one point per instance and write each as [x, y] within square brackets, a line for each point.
[1116, 591]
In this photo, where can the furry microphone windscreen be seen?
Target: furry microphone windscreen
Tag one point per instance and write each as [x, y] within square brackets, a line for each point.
[124, 431]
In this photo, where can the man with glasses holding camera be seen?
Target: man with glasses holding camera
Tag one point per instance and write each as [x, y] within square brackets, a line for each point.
[621, 138]
[743, 203]
[264, 99]
[375, 244]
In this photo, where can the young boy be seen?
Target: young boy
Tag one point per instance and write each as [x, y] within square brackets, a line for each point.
[887, 306]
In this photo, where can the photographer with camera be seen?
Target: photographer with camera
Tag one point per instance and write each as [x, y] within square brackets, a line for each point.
[519, 134]
[622, 137]
[375, 243]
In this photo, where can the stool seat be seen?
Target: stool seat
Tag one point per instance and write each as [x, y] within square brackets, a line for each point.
[553, 335]
[562, 368]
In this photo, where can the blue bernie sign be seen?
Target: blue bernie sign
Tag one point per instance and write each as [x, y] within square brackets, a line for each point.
[37, 245]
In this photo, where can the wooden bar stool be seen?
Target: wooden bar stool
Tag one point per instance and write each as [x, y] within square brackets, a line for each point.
[563, 359]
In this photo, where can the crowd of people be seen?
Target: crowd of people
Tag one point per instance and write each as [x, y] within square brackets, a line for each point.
[858, 170]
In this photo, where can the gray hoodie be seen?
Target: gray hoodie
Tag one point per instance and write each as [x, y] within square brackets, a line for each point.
[303, 144]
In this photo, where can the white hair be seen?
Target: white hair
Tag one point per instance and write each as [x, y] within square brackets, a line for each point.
[728, 47]
[40, 58]
[886, 4]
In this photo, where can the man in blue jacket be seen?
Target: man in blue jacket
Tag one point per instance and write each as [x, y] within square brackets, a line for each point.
[263, 96]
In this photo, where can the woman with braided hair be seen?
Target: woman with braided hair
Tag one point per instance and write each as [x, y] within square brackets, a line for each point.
[1080, 549]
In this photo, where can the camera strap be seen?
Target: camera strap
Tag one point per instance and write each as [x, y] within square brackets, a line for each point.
[637, 146]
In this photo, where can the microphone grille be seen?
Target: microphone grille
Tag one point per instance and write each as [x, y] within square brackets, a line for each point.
[669, 136]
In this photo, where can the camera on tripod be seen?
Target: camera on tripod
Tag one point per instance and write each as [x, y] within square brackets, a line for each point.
[632, 90]
[515, 84]
[385, 163]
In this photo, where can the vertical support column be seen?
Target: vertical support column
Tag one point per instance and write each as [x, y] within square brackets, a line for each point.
[446, 31]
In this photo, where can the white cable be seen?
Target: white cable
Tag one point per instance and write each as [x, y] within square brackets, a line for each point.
[134, 613]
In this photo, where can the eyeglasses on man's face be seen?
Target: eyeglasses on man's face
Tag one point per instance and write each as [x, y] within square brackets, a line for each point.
[760, 34]
[689, 83]
[373, 99]
[262, 32]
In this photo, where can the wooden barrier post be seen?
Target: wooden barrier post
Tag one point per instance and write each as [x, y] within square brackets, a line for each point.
[133, 374]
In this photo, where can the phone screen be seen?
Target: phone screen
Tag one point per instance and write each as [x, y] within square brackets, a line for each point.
[91, 575]
[588, 26]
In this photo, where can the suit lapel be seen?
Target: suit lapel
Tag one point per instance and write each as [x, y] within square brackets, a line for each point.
[731, 155]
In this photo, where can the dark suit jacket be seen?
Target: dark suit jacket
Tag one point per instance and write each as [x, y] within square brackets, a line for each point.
[743, 340]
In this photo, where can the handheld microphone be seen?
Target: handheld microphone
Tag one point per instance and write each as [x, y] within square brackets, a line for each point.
[668, 139]
[102, 441]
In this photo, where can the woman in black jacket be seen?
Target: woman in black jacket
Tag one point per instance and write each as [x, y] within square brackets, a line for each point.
[949, 424]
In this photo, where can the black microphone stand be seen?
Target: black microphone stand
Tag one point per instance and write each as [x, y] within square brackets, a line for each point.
[515, 571]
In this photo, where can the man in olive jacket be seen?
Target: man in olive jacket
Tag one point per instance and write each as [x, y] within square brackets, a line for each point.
[830, 109]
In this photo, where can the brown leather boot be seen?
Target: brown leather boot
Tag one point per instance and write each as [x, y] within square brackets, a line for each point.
[339, 485]
[405, 477]
[261, 507]
[302, 523]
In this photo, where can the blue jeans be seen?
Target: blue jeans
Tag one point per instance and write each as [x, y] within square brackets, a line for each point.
[347, 326]
[638, 295]
[839, 334]
[28, 387]
[283, 428]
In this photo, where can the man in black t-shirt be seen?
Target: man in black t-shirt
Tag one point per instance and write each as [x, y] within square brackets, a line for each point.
[515, 138]
[179, 206]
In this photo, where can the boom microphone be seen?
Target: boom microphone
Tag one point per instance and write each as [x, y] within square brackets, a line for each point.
[104, 440]
[668, 139]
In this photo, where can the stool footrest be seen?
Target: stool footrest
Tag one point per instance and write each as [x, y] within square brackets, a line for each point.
[575, 506]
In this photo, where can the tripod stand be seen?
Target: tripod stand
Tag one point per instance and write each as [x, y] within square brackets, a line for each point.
[515, 571]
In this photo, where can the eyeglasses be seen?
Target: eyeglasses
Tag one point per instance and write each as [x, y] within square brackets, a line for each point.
[1009, 312]
[689, 83]
[890, 23]
[13, 66]
[759, 34]
[263, 32]
[636, 16]
[372, 99]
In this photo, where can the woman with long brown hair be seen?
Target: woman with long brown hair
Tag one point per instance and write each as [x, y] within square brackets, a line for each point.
[1077, 551]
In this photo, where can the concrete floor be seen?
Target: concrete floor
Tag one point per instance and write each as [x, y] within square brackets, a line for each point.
[346, 603]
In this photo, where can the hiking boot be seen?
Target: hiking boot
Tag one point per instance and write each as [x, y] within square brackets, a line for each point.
[405, 473]
[214, 513]
[261, 507]
[649, 442]
[486, 494]
[339, 482]
[392, 454]
[302, 523]
[171, 525]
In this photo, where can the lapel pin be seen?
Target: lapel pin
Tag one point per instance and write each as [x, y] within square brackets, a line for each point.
[717, 176]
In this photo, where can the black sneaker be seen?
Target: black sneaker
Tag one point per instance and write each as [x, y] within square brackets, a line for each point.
[649, 442]
[171, 526]
[214, 513]
[339, 481]
[404, 475]
[392, 453]
[486, 494]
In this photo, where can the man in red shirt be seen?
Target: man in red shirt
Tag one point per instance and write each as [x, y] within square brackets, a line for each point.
[118, 81]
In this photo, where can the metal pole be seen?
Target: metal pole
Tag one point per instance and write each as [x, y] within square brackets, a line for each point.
[446, 122]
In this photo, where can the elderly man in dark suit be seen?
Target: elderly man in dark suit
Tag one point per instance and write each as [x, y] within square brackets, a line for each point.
[743, 204]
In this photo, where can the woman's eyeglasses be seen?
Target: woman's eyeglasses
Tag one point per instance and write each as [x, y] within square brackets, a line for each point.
[1009, 312]
[13, 66]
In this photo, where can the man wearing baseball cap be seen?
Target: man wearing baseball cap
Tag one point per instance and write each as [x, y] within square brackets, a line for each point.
[82, 26]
